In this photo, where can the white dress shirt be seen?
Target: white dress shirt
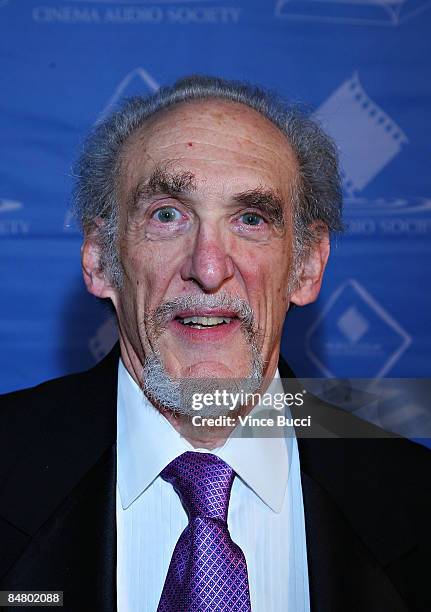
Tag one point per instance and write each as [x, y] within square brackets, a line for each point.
[265, 515]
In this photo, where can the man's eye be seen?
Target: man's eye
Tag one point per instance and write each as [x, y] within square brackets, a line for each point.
[251, 219]
[167, 214]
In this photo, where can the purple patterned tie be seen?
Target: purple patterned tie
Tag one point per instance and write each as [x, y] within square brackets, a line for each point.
[208, 571]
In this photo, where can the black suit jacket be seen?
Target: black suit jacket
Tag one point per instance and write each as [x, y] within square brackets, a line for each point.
[367, 504]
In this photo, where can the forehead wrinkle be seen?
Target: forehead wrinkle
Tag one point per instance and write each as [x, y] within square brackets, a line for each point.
[248, 141]
[215, 126]
[246, 153]
[220, 162]
[157, 125]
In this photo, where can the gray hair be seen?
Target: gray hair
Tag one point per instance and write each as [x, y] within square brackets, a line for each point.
[317, 194]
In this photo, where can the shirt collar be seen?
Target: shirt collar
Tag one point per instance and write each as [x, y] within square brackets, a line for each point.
[147, 443]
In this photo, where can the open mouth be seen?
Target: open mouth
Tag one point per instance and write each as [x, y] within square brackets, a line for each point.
[198, 322]
[205, 325]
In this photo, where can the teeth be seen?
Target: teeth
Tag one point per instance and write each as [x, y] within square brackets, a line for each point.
[205, 321]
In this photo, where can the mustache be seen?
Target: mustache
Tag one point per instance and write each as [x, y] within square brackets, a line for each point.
[167, 311]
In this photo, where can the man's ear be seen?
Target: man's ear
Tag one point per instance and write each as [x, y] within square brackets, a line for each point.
[95, 278]
[312, 268]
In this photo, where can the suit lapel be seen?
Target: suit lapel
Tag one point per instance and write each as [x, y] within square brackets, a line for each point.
[344, 573]
[60, 527]
[75, 549]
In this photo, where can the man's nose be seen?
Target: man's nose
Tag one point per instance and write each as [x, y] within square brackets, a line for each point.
[208, 264]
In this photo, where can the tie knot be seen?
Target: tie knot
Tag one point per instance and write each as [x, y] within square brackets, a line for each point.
[203, 482]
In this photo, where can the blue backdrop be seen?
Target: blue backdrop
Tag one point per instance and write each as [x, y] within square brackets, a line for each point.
[363, 67]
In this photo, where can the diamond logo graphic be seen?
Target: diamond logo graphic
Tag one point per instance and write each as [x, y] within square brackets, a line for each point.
[355, 336]
[352, 324]
[354, 121]
[136, 82]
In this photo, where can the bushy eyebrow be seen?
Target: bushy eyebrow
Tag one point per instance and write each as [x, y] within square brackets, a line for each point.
[264, 200]
[181, 183]
[163, 182]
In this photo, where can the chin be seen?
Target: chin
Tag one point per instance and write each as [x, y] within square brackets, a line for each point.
[214, 369]
[175, 392]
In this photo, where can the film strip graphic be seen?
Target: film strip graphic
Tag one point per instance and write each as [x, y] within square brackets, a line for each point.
[367, 137]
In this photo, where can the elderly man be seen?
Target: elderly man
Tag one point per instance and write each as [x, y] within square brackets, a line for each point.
[206, 211]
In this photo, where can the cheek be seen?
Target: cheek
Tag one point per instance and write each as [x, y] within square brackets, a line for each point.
[265, 273]
[266, 269]
[149, 271]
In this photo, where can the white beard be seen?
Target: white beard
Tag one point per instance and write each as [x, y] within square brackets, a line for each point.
[176, 394]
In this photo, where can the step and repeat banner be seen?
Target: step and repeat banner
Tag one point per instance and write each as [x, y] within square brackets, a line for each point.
[363, 69]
